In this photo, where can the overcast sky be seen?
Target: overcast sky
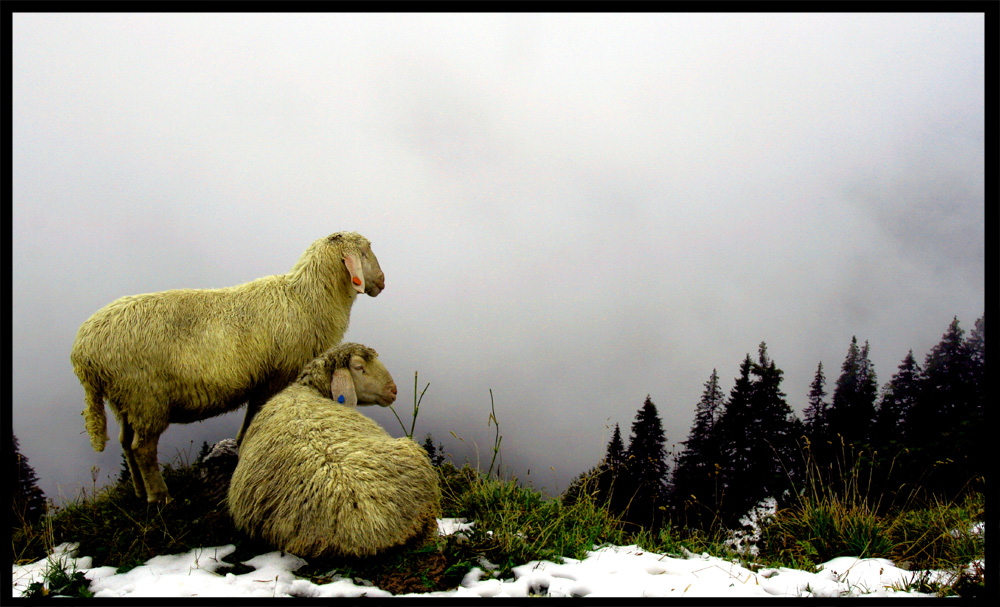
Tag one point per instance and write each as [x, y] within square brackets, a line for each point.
[574, 211]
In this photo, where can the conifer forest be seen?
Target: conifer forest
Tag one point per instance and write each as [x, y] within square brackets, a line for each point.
[915, 438]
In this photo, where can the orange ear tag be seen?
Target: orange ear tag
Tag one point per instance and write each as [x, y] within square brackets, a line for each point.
[356, 280]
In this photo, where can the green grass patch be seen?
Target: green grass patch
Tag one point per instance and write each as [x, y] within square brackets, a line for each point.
[117, 528]
[515, 524]
[847, 518]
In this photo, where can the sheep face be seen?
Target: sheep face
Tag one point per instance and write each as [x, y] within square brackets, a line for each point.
[363, 382]
[362, 265]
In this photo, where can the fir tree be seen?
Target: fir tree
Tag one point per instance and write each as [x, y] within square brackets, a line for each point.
[203, 452]
[976, 347]
[615, 456]
[896, 402]
[28, 501]
[124, 473]
[946, 387]
[612, 480]
[585, 483]
[943, 427]
[646, 466]
[436, 454]
[608, 482]
[815, 413]
[734, 435]
[696, 474]
[867, 382]
[853, 408]
[757, 434]
[839, 414]
[774, 447]
[646, 455]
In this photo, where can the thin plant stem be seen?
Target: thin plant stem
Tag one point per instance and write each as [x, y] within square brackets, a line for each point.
[416, 408]
[497, 439]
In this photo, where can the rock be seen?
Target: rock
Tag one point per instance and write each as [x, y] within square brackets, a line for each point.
[216, 469]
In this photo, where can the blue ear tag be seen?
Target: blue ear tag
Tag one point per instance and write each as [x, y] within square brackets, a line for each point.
[340, 399]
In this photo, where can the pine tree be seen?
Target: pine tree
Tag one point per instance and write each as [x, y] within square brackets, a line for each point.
[646, 455]
[774, 448]
[946, 386]
[584, 484]
[944, 427]
[612, 480]
[895, 404]
[735, 427]
[815, 413]
[647, 466]
[203, 452]
[853, 408]
[124, 473]
[840, 411]
[28, 501]
[977, 427]
[436, 454]
[867, 382]
[614, 458]
[607, 482]
[976, 347]
[757, 438]
[696, 474]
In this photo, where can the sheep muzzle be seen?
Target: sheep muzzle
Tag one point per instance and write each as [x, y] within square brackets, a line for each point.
[389, 396]
[375, 286]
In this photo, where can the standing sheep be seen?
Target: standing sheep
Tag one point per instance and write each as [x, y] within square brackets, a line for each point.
[318, 478]
[185, 355]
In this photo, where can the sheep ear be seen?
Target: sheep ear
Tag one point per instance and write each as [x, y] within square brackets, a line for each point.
[353, 263]
[342, 388]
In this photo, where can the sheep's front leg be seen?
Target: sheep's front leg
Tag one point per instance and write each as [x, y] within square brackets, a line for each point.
[125, 437]
[145, 447]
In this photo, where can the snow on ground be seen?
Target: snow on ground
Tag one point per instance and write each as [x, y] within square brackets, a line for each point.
[619, 571]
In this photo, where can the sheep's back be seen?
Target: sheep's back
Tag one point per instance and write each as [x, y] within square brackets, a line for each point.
[316, 477]
[200, 351]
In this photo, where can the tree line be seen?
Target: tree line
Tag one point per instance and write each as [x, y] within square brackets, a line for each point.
[918, 436]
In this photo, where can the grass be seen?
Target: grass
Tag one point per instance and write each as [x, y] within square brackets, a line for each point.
[513, 525]
[940, 537]
[116, 528]
[847, 517]
[59, 581]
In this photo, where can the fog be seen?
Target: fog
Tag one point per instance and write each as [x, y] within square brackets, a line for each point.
[573, 211]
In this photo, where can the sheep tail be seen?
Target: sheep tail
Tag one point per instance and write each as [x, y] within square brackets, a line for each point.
[95, 419]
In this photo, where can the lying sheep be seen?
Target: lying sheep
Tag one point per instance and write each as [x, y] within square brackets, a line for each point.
[316, 477]
[185, 355]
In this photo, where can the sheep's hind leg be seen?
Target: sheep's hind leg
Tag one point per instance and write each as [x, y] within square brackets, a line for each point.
[126, 437]
[252, 406]
[145, 451]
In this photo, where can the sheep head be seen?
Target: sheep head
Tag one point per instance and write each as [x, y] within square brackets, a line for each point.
[363, 383]
[361, 263]
[350, 374]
